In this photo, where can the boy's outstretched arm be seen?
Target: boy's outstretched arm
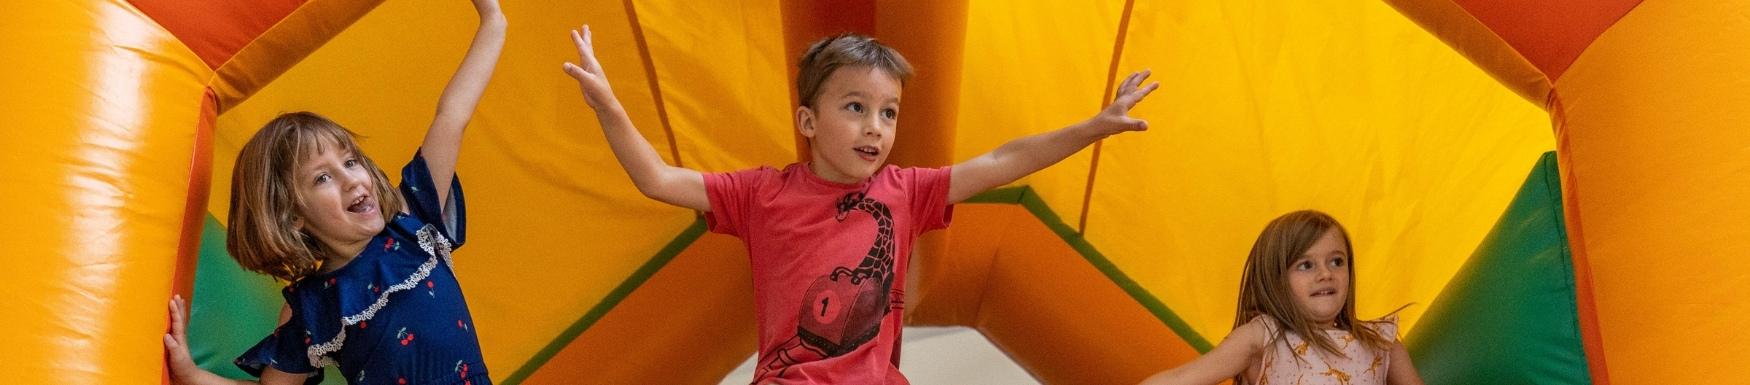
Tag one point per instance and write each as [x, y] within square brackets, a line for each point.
[1031, 153]
[653, 176]
[443, 141]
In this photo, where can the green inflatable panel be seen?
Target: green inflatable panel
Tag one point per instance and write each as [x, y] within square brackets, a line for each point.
[1509, 315]
[232, 309]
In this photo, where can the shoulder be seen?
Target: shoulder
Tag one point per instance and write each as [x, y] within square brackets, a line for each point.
[913, 175]
[1387, 327]
[756, 175]
[1255, 331]
[1264, 322]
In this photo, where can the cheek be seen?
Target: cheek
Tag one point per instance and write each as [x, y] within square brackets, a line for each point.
[1298, 283]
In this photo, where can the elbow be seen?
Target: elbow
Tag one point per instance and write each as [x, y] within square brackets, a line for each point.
[649, 191]
[651, 187]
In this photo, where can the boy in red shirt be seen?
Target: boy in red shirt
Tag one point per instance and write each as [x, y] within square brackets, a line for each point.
[829, 239]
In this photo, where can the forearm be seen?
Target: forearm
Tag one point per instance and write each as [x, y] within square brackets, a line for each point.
[636, 155]
[443, 139]
[1032, 153]
[1018, 158]
[462, 94]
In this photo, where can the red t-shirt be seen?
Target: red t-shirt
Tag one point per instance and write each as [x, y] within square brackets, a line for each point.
[829, 263]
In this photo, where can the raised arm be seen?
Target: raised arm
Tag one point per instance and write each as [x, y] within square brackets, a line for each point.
[443, 140]
[653, 176]
[1031, 153]
[1227, 360]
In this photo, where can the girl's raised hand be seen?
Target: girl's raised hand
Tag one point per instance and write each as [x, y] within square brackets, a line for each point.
[588, 72]
[485, 7]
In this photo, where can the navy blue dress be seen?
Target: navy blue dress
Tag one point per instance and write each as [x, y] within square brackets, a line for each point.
[394, 314]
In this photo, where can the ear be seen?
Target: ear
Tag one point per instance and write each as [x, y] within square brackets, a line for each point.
[805, 121]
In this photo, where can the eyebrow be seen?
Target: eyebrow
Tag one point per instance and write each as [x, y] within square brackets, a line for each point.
[860, 94]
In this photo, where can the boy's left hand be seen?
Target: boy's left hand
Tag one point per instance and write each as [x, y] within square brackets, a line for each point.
[588, 72]
[1116, 117]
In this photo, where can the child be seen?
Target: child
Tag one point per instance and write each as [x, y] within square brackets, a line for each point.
[372, 288]
[1296, 319]
[829, 239]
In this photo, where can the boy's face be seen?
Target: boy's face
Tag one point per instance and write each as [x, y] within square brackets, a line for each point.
[1319, 279]
[851, 125]
[338, 206]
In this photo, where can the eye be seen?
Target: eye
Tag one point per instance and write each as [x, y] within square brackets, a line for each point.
[322, 178]
[1338, 262]
[352, 162]
[854, 107]
[1303, 265]
[889, 113]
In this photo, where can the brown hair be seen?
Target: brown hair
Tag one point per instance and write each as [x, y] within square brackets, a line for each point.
[828, 54]
[265, 206]
[1264, 288]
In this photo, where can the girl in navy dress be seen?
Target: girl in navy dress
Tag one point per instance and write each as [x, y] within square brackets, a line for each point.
[371, 286]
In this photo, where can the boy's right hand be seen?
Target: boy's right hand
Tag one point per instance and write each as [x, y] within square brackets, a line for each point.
[588, 73]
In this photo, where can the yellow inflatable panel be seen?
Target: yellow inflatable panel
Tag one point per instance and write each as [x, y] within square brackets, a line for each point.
[98, 161]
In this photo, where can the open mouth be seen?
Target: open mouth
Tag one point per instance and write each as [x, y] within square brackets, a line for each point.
[869, 153]
[362, 205]
[1324, 292]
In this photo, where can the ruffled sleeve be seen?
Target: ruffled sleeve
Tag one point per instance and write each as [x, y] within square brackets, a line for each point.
[422, 200]
[284, 350]
[1387, 327]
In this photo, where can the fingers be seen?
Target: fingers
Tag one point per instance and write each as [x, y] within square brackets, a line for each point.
[1145, 91]
[588, 41]
[1129, 100]
[178, 326]
[573, 70]
[1128, 84]
[585, 42]
[176, 341]
[1136, 125]
[577, 39]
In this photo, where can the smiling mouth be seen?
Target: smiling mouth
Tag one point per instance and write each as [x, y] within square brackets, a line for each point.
[869, 153]
[362, 205]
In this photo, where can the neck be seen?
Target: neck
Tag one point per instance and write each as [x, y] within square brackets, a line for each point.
[341, 254]
[822, 172]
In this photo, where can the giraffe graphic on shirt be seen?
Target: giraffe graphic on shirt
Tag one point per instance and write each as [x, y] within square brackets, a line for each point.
[843, 309]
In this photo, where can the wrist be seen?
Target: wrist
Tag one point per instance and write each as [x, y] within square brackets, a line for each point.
[491, 17]
[1093, 130]
[608, 106]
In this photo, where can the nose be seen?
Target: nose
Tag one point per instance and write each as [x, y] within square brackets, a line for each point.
[872, 126]
[356, 179]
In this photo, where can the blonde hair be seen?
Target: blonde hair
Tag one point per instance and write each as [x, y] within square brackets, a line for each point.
[1264, 287]
[265, 206]
[828, 54]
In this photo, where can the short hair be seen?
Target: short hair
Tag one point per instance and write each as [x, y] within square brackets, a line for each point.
[850, 49]
[265, 205]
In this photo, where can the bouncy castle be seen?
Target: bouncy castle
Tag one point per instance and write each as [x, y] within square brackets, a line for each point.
[1560, 190]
